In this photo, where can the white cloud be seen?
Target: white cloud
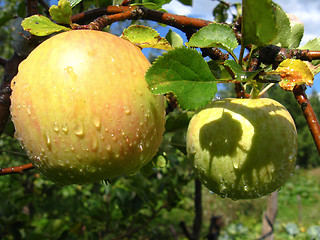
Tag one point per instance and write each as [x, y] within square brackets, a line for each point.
[176, 7]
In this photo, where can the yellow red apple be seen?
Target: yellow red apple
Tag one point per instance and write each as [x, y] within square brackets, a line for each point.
[82, 109]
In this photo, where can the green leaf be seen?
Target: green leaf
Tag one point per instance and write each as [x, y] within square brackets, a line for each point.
[186, 2]
[61, 13]
[259, 25]
[312, 45]
[238, 72]
[74, 2]
[297, 30]
[184, 72]
[283, 25]
[174, 39]
[214, 35]
[219, 71]
[41, 26]
[145, 37]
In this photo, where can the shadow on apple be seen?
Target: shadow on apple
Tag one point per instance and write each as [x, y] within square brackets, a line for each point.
[263, 161]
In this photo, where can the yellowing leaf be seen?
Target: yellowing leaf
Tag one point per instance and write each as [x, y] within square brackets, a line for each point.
[294, 72]
[145, 37]
[41, 26]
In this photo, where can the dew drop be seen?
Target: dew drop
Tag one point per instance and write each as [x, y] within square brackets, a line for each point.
[235, 165]
[29, 110]
[48, 141]
[140, 147]
[96, 122]
[65, 128]
[108, 147]
[78, 130]
[55, 127]
[60, 162]
[127, 110]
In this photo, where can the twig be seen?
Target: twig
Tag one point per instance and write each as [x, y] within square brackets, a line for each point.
[101, 22]
[302, 99]
[186, 24]
[18, 169]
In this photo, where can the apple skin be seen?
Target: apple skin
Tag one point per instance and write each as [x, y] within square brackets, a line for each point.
[82, 109]
[242, 148]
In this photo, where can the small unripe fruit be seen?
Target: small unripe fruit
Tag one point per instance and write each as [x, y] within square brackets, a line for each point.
[242, 148]
[82, 109]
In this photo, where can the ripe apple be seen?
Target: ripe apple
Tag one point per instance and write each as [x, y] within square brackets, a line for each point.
[82, 109]
[242, 148]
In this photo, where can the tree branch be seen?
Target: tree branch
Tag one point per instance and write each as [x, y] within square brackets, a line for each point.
[302, 99]
[18, 169]
[186, 24]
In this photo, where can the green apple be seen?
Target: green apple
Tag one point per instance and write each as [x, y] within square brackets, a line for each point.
[242, 148]
[82, 109]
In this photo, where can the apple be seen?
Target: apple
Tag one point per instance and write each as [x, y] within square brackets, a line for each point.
[82, 109]
[242, 148]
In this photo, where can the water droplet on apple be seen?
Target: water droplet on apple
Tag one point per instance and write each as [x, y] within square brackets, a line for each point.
[140, 147]
[48, 141]
[96, 122]
[126, 110]
[235, 165]
[78, 130]
[65, 128]
[55, 127]
[60, 163]
[108, 147]
[29, 110]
